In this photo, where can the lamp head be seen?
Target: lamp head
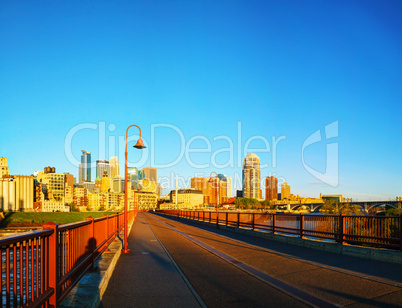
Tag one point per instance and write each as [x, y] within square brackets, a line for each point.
[140, 144]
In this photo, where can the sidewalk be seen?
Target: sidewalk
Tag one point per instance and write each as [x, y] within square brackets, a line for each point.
[146, 277]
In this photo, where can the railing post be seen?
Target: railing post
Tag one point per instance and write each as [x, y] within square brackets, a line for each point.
[238, 220]
[274, 223]
[107, 232]
[342, 230]
[253, 223]
[301, 225]
[210, 216]
[203, 215]
[227, 216]
[400, 232]
[53, 261]
[92, 242]
[116, 226]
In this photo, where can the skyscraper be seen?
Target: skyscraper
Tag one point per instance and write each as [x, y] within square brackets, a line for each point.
[150, 173]
[251, 176]
[85, 167]
[114, 167]
[229, 192]
[271, 188]
[285, 191]
[133, 177]
[101, 167]
[227, 185]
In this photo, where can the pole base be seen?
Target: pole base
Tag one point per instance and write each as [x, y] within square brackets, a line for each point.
[125, 250]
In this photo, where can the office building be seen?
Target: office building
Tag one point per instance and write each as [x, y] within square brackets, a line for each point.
[150, 174]
[144, 200]
[133, 177]
[69, 179]
[101, 167]
[187, 198]
[80, 197]
[251, 177]
[118, 185]
[114, 167]
[271, 188]
[90, 186]
[228, 185]
[53, 184]
[80, 180]
[285, 191]
[85, 167]
[208, 189]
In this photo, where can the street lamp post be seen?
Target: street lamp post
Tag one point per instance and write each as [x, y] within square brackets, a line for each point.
[138, 145]
[216, 196]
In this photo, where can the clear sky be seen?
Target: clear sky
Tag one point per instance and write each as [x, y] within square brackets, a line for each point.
[187, 72]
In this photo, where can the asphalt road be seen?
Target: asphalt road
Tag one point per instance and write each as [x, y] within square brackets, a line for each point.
[294, 276]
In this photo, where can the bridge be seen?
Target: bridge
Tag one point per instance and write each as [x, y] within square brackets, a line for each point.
[182, 259]
[365, 206]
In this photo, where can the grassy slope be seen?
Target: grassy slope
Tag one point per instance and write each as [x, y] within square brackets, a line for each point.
[26, 219]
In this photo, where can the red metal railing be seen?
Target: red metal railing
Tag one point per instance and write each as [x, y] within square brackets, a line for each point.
[39, 268]
[376, 231]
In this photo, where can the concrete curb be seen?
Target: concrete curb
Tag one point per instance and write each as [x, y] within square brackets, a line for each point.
[90, 289]
[377, 254]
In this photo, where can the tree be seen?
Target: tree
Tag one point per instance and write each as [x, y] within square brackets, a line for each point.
[267, 204]
[246, 203]
[329, 206]
[395, 211]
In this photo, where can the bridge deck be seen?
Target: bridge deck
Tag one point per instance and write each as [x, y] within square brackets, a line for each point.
[256, 272]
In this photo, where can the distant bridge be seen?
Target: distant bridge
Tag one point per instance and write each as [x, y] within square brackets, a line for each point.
[364, 205]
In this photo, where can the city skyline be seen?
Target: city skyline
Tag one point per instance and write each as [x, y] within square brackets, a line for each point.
[215, 74]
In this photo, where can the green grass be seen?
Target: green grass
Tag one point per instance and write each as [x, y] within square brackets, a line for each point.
[26, 219]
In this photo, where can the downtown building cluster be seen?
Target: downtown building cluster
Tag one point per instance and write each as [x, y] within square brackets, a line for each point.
[106, 192]
[251, 178]
[49, 191]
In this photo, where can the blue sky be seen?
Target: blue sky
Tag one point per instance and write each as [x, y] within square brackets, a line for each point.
[273, 68]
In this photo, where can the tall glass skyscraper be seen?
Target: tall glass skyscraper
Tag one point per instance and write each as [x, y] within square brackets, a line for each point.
[85, 167]
[251, 177]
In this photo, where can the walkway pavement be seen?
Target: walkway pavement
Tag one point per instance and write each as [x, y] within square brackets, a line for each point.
[147, 277]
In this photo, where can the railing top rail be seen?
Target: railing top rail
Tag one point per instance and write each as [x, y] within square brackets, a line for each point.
[23, 236]
[114, 215]
[100, 219]
[74, 225]
[289, 214]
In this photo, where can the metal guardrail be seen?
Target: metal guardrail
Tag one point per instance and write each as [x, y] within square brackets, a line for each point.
[39, 268]
[375, 231]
